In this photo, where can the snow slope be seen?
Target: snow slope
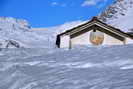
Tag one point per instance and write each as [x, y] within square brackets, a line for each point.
[17, 33]
[119, 14]
[51, 32]
[15, 30]
[82, 68]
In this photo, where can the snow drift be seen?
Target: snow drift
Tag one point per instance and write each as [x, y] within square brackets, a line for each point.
[82, 68]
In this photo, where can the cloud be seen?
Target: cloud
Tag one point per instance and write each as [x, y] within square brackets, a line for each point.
[58, 4]
[54, 3]
[92, 2]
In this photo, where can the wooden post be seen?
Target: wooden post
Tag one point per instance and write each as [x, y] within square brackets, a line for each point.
[124, 41]
[70, 44]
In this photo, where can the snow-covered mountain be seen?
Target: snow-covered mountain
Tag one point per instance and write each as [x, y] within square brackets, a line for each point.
[119, 14]
[18, 33]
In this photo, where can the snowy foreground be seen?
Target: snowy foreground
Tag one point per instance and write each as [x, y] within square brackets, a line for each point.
[82, 68]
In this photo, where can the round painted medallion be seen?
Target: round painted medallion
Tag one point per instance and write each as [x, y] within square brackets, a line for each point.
[96, 37]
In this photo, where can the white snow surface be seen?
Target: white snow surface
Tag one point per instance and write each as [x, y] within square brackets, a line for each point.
[79, 68]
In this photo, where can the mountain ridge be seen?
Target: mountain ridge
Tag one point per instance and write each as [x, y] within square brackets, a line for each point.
[119, 14]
